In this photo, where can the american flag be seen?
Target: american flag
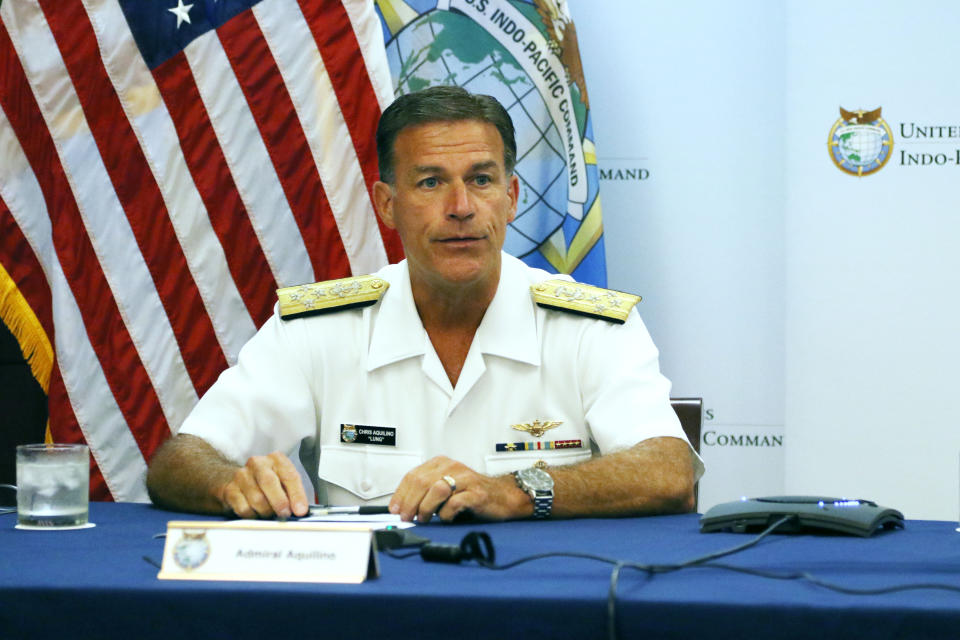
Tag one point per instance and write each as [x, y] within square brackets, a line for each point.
[165, 165]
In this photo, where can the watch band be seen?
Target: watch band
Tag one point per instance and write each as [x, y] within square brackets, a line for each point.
[542, 504]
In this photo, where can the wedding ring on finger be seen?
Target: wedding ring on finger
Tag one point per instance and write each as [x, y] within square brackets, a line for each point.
[450, 481]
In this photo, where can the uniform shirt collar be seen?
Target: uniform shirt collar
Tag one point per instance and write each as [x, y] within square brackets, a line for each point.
[396, 330]
[508, 329]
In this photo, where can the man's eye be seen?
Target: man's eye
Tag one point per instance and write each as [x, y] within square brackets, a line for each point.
[429, 183]
[482, 180]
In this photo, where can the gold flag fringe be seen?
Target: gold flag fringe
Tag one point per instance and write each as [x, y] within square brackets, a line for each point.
[19, 317]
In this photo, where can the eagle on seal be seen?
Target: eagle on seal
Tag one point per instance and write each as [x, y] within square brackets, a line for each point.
[860, 116]
[562, 36]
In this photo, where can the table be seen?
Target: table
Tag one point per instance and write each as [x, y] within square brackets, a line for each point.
[94, 583]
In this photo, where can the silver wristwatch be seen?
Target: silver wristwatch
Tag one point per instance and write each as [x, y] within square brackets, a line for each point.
[539, 485]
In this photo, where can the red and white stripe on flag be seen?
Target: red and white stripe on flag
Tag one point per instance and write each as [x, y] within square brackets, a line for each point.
[164, 167]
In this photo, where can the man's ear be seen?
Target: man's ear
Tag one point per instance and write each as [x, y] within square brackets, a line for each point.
[514, 192]
[383, 201]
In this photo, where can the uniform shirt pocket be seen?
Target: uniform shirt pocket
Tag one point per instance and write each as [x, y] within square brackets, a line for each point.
[502, 463]
[365, 471]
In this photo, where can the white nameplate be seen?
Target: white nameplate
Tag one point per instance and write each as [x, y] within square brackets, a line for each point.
[269, 551]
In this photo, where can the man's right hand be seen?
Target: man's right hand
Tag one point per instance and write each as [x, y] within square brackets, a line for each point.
[265, 487]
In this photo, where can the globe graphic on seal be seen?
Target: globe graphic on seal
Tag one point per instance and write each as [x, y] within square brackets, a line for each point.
[860, 145]
[442, 47]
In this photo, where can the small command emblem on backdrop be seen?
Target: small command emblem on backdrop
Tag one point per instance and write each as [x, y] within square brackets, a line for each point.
[860, 142]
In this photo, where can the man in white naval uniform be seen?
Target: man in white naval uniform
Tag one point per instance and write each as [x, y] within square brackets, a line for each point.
[462, 366]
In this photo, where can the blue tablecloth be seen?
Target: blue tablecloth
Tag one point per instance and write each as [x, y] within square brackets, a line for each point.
[95, 583]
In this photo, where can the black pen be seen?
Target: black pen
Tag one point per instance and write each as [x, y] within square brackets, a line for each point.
[361, 510]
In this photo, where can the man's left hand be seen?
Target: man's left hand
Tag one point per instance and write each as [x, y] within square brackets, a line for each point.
[444, 487]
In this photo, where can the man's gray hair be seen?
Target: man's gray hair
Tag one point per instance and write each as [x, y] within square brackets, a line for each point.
[441, 104]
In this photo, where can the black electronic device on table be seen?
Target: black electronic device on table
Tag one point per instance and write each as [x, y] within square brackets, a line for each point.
[395, 538]
[810, 513]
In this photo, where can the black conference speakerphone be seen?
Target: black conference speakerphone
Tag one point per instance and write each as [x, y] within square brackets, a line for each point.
[810, 514]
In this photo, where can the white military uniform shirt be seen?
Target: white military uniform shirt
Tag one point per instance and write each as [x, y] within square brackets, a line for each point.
[299, 382]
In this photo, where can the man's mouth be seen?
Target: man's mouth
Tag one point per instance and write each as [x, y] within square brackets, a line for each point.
[459, 240]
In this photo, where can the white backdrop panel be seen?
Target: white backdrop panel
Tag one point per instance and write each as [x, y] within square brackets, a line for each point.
[693, 93]
[872, 263]
[802, 303]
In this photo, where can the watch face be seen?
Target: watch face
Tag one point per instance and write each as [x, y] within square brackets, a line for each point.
[536, 479]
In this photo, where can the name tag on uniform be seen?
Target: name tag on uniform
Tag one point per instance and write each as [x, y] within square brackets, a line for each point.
[368, 434]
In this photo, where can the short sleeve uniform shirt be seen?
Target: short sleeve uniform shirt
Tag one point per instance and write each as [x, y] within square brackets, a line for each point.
[301, 386]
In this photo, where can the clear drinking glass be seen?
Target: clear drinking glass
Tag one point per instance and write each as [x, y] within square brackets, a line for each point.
[53, 485]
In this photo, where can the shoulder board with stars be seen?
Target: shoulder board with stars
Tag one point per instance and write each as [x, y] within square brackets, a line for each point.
[332, 295]
[584, 299]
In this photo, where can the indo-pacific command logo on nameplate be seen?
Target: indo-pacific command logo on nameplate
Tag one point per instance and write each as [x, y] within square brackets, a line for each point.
[860, 142]
[191, 550]
[348, 433]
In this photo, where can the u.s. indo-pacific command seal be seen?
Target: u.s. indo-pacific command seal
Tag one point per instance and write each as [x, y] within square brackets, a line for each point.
[191, 550]
[860, 142]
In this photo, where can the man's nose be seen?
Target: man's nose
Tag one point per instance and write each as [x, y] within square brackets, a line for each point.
[459, 205]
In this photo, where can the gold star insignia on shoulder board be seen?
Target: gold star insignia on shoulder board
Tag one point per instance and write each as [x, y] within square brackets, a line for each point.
[584, 299]
[537, 428]
[332, 295]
